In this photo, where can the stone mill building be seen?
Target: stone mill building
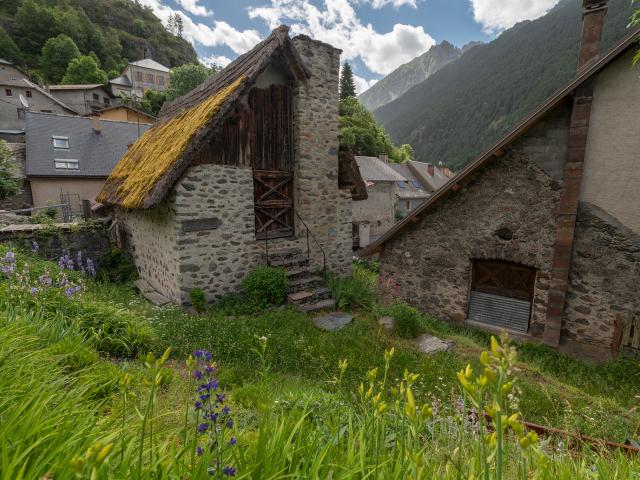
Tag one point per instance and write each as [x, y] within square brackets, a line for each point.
[242, 169]
[540, 235]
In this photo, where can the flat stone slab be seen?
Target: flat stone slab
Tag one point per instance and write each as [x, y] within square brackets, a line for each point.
[155, 298]
[386, 322]
[142, 286]
[333, 321]
[430, 345]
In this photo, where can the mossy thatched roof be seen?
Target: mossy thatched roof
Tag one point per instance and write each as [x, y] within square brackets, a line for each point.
[148, 171]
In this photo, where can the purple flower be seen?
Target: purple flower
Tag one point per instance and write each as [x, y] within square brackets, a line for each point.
[202, 428]
[197, 374]
[44, 279]
[204, 397]
[35, 247]
[230, 423]
[33, 290]
[69, 292]
[199, 451]
[233, 441]
[220, 398]
[226, 410]
[91, 268]
[214, 417]
[197, 405]
[229, 471]
[10, 257]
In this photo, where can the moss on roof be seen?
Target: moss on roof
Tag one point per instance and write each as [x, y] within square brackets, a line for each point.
[155, 152]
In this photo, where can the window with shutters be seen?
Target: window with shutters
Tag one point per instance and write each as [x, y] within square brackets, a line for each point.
[501, 294]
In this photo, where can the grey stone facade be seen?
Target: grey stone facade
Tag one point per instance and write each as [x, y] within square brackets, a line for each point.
[203, 234]
[23, 198]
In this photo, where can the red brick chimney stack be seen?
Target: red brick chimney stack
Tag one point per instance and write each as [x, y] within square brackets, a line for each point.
[593, 13]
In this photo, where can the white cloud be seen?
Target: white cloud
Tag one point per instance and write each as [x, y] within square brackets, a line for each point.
[396, 3]
[362, 84]
[219, 60]
[497, 15]
[338, 25]
[221, 33]
[192, 6]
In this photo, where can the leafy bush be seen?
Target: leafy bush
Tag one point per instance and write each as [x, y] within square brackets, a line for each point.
[406, 320]
[356, 291]
[266, 286]
[117, 266]
[198, 300]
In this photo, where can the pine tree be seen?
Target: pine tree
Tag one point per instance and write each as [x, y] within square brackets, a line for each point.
[179, 25]
[347, 85]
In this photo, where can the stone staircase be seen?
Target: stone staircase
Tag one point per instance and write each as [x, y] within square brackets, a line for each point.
[306, 290]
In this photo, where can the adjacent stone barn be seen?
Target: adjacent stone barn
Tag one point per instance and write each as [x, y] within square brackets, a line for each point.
[540, 236]
[239, 170]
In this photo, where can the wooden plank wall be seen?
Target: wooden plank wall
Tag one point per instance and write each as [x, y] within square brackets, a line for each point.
[258, 134]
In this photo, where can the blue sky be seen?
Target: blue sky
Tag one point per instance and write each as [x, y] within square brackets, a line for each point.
[376, 36]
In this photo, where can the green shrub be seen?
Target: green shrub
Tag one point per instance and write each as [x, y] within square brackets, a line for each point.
[356, 291]
[117, 266]
[406, 320]
[196, 295]
[266, 286]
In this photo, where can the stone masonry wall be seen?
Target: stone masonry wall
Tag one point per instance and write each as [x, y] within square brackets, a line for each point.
[429, 263]
[22, 199]
[151, 236]
[602, 282]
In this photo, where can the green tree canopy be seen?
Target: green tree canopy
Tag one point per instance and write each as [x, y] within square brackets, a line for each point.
[360, 132]
[152, 102]
[56, 55]
[84, 69]
[187, 77]
[8, 49]
[347, 85]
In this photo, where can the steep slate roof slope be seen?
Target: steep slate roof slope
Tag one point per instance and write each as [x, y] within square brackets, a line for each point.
[372, 169]
[497, 150]
[414, 187]
[97, 153]
[24, 83]
[150, 168]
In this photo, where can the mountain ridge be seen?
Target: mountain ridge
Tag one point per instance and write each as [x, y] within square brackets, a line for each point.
[409, 74]
[472, 101]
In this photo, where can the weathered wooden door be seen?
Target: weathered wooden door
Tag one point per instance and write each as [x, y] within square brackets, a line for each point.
[273, 199]
[501, 294]
[271, 151]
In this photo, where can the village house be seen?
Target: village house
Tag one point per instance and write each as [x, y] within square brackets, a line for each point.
[375, 215]
[241, 172]
[420, 181]
[68, 158]
[19, 96]
[125, 113]
[8, 71]
[84, 98]
[540, 236]
[140, 76]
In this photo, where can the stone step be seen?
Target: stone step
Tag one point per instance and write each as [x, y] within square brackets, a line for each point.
[288, 263]
[284, 253]
[156, 298]
[306, 296]
[326, 304]
[142, 286]
[305, 283]
[296, 272]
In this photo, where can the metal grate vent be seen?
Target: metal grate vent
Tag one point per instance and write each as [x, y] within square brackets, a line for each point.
[501, 312]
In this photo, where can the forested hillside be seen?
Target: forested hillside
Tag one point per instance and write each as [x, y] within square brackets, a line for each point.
[468, 104]
[115, 30]
[406, 76]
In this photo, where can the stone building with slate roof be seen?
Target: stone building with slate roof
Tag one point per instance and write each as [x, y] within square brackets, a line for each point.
[240, 172]
[540, 235]
[73, 155]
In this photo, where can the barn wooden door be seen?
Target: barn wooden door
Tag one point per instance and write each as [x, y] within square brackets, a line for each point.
[501, 294]
[271, 156]
[273, 199]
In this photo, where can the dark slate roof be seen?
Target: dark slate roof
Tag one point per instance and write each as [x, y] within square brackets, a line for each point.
[372, 169]
[97, 154]
[122, 80]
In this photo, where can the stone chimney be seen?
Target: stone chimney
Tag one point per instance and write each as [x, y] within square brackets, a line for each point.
[431, 169]
[384, 157]
[593, 13]
[95, 123]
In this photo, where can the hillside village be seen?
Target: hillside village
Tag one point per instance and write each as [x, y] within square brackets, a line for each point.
[215, 271]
